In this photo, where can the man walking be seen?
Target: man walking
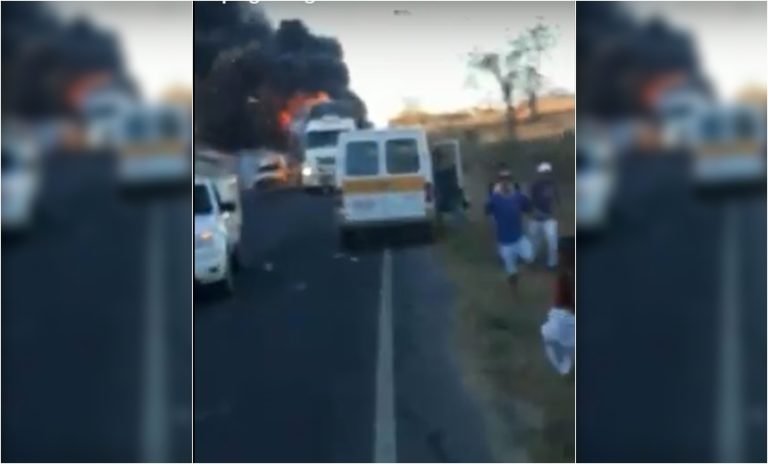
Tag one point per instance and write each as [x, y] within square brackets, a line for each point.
[507, 206]
[544, 198]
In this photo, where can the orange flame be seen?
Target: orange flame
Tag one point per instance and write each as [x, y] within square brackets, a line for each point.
[298, 102]
[83, 85]
[656, 87]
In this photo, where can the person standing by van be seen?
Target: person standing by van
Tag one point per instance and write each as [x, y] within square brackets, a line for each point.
[544, 198]
[507, 207]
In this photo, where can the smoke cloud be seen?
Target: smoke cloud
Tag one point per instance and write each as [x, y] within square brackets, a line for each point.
[247, 72]
[42, 56]
[619, 55]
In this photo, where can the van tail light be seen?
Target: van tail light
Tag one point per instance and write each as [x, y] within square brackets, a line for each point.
[429, 193]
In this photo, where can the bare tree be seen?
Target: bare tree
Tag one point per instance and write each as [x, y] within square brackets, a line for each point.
[506, 69]
[518, 67]
[537, 42]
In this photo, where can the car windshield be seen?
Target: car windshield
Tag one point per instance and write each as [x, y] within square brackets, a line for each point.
[320, 139]
[202, 201]
[362, 158]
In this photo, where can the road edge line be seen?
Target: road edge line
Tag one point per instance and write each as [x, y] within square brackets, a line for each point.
[384, 427]
[730, 406]
[154, 408]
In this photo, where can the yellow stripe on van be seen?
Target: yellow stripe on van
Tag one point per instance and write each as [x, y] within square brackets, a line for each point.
[152, 148]
[736, 147]
[384, 184]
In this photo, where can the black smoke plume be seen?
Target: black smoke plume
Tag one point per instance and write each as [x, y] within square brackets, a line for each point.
[246, 72]
[618, 54]
[42, 55]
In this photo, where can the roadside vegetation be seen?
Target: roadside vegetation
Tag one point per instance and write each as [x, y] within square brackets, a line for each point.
[529, 409]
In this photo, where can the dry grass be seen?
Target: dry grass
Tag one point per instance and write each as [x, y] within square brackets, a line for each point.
[528, 407]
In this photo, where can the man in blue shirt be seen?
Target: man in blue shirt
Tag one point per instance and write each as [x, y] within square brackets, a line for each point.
[507, 207]
[544, 198]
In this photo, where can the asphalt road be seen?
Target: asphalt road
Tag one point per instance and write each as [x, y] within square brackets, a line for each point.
[96, 325]
[672, 325]
[328, 357]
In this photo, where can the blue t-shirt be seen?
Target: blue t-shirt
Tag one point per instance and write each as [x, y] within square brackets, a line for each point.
[507, 211]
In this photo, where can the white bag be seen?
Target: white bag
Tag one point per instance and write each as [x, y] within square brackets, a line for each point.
[559, 335]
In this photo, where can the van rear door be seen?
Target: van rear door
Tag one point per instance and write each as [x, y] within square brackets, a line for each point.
[406, 186]
[449, 175]
[362, 186]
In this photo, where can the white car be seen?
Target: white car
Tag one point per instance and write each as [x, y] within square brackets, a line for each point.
[272, 169]
[21, 179]
[217, 236]
[595, 184]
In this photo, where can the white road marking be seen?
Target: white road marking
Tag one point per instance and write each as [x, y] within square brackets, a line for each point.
[730, 413]
[384, 427]
[155, 418]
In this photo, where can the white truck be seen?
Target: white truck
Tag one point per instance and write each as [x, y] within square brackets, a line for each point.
[321, 136]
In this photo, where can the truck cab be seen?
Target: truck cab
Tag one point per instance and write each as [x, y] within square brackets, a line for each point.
[321, 138]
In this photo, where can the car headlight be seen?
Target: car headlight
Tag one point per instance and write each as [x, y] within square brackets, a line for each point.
[306, 171]
[204, 239]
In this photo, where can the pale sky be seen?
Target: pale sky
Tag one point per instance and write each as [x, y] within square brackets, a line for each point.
[421, 54]
[730, 38]
[156, 38]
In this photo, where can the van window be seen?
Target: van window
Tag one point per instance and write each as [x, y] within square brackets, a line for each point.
[711, 128]
[136, 128]
[362, 158]
[402, 156]
[744, 125]
[169, 126]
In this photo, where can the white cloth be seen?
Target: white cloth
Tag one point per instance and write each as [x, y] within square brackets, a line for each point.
[559, 336]
[547, 228]
[512, 253]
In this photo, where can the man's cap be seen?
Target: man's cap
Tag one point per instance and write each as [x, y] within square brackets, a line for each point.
[544, 167]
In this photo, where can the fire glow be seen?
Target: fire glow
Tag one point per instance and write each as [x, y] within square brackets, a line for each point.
[297, 103]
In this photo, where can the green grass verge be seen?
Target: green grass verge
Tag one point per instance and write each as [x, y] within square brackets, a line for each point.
[529, 409]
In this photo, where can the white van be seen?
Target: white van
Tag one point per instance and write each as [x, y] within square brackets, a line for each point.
[385, 178]
[154, 146]
[728, 146]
